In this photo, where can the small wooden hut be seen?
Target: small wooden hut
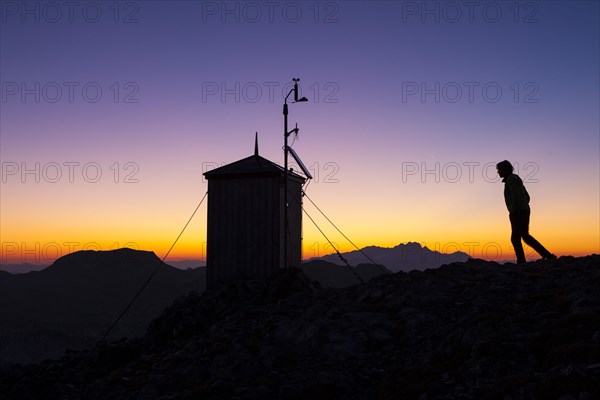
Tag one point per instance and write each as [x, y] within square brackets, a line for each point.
[246, 223]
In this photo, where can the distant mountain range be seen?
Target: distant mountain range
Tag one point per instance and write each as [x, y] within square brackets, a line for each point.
[339, 276]
[473, 330]
[21, 268]
[404, 257]
[28, 267]
[186, 264]
[71, 303]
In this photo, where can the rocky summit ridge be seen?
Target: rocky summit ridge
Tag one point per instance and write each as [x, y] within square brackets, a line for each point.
[471, 330]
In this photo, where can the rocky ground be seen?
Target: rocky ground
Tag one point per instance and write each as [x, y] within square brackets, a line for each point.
[473, 330]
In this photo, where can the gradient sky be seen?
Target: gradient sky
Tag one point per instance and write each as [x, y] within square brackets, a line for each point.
[411, 104]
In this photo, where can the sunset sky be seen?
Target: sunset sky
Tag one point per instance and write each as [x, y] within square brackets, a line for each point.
[111, 112]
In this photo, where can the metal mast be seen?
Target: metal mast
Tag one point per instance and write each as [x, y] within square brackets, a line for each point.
[285, 165]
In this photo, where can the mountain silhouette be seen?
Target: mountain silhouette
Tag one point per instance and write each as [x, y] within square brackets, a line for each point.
[187, 264]
[404, 257]
[21, 268]
[73, 301]
[473, 330]
[339, 276]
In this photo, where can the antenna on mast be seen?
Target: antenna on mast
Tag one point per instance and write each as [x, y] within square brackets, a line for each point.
[286, 150]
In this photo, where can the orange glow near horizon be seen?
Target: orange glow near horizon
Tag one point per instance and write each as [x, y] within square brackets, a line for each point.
[45, 252]
[38, 235]
[482, 231]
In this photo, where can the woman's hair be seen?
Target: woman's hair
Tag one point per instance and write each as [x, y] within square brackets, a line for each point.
[505, 166]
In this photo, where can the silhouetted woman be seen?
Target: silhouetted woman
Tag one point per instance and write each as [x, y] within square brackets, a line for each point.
[517, 202]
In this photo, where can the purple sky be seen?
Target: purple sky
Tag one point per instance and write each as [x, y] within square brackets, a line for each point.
[393, 86]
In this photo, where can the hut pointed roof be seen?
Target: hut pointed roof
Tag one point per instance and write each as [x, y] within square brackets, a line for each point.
[254, 165]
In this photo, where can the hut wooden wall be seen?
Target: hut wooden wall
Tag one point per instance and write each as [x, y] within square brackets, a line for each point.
[245, 227]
